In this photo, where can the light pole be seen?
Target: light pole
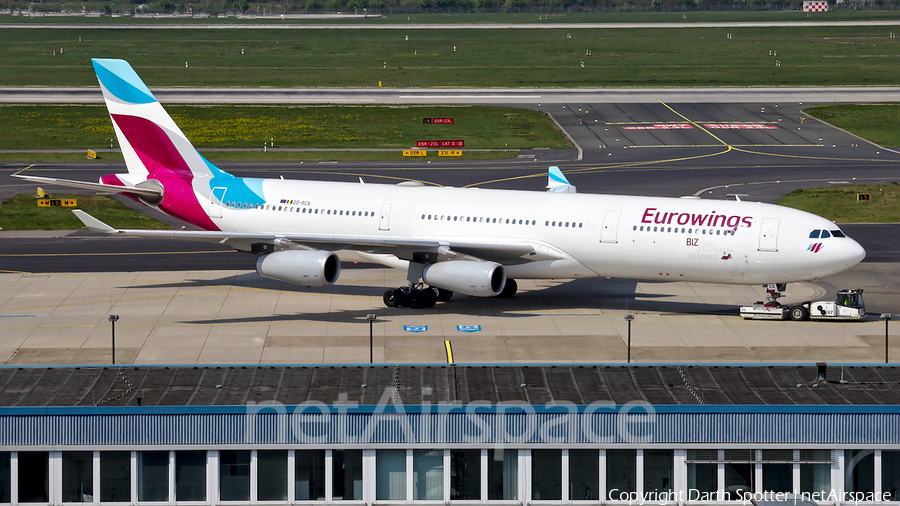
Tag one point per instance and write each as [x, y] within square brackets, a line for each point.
[113, 318]
[371, 318]
[886, 317]
[629, 318]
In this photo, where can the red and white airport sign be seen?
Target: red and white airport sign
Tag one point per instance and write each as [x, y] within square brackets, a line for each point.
[441, 144]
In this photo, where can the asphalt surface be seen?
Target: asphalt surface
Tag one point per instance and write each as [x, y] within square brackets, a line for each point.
[521, 96]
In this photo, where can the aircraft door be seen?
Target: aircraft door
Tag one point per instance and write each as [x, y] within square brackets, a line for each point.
[385, 222]
[215, 202]
[609, 232]
[768, 234]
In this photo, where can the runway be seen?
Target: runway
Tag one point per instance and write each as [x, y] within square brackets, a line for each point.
[528, 96]
[213, 309]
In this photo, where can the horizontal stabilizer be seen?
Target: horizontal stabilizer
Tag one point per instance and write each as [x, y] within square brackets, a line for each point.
[93, 223]
[98, 187]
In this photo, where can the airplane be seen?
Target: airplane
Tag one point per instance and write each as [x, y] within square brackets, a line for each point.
[472, 241]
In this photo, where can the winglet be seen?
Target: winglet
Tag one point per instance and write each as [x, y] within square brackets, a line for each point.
[93, 223]
[557, 182]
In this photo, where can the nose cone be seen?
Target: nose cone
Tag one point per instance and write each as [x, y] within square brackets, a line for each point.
[854, 253]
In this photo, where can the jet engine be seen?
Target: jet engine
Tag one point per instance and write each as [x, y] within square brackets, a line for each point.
[300, 267]
[479, 279]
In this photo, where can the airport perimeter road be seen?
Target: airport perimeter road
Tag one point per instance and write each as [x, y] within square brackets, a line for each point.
[498, 96]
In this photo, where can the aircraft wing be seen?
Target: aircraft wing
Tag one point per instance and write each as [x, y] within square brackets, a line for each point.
[98, 187]
[501, 252]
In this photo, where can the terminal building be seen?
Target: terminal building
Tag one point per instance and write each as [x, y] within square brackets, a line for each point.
[429, 435]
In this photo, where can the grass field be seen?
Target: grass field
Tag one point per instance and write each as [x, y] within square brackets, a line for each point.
[879, 123]
[840, 204]
[656, 57]
[88, 126]
[22, 213]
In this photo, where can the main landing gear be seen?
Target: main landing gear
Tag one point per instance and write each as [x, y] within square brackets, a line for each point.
[425, 297]
[415, 298]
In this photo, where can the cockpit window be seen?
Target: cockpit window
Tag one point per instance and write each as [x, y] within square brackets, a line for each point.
[825, 234]
[837, 233]
[814, 234]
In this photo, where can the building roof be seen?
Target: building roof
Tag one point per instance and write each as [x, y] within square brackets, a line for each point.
[723, 385]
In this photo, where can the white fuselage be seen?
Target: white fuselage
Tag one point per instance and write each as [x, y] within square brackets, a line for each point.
[576, 235]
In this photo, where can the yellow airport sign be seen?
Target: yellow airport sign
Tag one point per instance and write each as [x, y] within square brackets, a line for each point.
[40, 192]
[414, 152]
[450, 152]
[863, 197]
[57, 203]
[91, 153]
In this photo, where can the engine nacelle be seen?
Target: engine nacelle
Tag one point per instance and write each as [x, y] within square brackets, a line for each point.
[479, 279]
[300, 267]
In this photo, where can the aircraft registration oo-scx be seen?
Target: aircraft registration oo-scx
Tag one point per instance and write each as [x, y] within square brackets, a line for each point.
[472, 241]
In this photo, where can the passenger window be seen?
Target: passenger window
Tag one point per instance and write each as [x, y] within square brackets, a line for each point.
[423, 216]
[654, 229]
[567, 224]
[704, 231]
[825, 234]
[814, 234]
[635, 228]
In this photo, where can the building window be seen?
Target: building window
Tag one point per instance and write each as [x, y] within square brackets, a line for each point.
[428, 475]
[190, 476]
[5, 477]
[33, 476]
[153, 476]
[272, 475]
[659, 472]
[702, 473]
[777, 469]
[309, 475]
[815, 472]
[390, 475]
[78, 476]
[859, 466]
[546, 475]
[584, 475]
[739, 474]
[346, 484]
[115, 476]
[503, 475]
[234, 475]
[465, 475]
[890, 474]
[621, 474]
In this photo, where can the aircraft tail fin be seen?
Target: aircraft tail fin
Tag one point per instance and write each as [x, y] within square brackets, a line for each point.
[557, 182]
[150, 140]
